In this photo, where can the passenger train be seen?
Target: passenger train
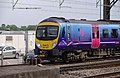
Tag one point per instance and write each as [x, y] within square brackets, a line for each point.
[63, 39]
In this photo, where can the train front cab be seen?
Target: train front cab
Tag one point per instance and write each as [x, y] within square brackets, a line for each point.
[47, 34]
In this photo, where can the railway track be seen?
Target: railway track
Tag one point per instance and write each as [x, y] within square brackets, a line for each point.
[107, 75]
[75, 68]
[67, 68]
[89, 66]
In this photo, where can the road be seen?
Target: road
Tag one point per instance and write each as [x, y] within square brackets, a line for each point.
[11, 61]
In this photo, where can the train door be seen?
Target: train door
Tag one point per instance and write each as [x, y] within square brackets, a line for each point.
[64, 33]
[95, 36]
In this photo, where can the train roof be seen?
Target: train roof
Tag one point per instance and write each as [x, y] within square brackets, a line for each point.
[82, 21]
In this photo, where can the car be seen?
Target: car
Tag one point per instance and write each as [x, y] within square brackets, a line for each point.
[9, 51]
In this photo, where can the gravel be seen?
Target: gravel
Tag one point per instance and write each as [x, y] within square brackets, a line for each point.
[90, 72]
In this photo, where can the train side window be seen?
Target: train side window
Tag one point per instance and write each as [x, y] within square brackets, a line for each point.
[114, 33]
[105, 33]
[97, 29]
[63, 32]
[68, 32]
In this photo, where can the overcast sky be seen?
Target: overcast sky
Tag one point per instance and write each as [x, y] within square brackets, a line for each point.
[72, 9]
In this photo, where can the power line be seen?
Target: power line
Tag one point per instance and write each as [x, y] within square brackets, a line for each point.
[55, 6]
[36, 5]
[70, 1]
[27, 8]
[76, 3]
[5, 7]
[62, 6]
[73, 2]
[49, 6]
[5, 2]
[48, 0]
[71, 12]
[79, 2]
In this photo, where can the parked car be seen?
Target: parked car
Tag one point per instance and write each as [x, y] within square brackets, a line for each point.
[10, 51]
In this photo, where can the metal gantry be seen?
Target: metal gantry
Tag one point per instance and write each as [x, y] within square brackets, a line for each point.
[99, 1]
[107, 5]
[113, 3]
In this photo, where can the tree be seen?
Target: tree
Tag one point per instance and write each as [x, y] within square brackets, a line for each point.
[14, 28]
[31, 27]
[23, 28]
[3, 27]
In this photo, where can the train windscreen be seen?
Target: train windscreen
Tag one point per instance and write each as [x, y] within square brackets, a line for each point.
[47, 32]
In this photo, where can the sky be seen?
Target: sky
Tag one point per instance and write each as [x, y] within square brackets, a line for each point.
[70, 9]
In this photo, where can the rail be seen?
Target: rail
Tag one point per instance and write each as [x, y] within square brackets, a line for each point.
[88, 66]
[107, 75]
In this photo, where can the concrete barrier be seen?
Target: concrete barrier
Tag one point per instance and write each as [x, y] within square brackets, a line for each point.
[29, 71]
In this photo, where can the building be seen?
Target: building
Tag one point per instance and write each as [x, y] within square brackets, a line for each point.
[19, 39]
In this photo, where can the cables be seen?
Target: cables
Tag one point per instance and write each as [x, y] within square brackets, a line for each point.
[5, 2]
[48, 0]
[73, 5]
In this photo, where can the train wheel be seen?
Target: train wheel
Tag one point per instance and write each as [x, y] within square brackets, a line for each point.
[83, 56]
[113, 53]
[64, 57]
[52, 60]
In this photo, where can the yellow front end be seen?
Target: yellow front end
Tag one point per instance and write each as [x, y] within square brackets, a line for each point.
[47, 44]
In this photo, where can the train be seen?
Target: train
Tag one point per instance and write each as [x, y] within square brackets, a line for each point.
[58, 38]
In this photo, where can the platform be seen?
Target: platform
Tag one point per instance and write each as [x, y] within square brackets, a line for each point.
[29, 71]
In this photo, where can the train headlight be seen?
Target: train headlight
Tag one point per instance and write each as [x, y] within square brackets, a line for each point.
[54, 44]
[38, 44]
